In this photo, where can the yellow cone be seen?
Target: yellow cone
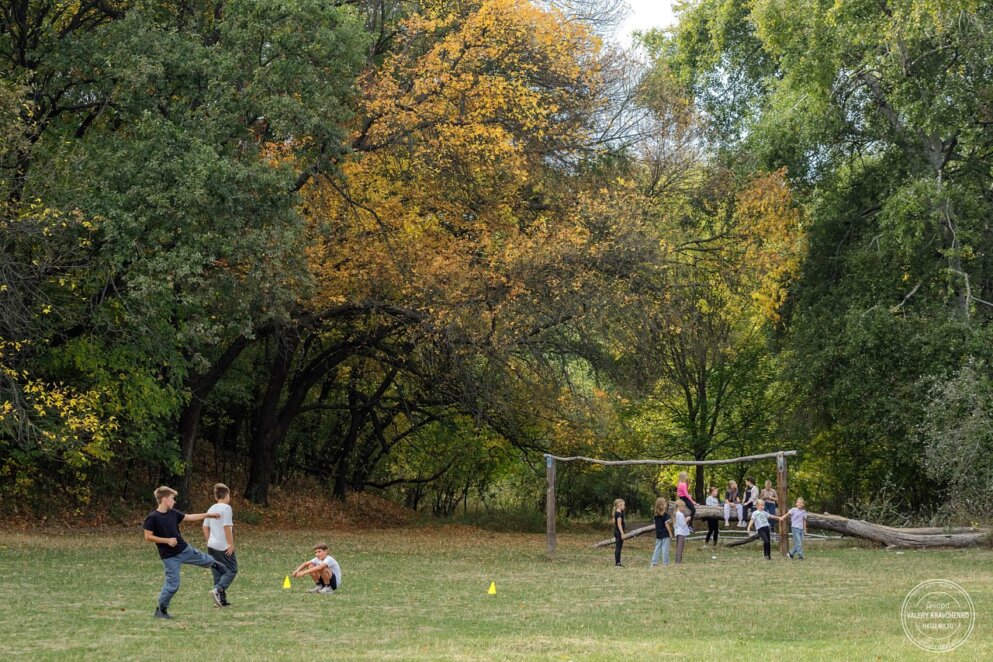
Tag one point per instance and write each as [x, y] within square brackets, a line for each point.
[492, 590]
[286, 582]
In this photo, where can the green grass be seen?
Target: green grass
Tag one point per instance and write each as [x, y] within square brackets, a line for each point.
[421, 593]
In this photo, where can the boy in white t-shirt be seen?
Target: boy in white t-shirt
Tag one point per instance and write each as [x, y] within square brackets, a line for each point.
[324, 570]
[219, 534]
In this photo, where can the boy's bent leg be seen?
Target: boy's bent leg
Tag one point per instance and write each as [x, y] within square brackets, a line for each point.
[171, 584]
[193, 556]
[223, 579]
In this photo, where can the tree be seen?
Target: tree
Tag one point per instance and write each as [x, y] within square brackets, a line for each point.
[186, 131]
[880, 114]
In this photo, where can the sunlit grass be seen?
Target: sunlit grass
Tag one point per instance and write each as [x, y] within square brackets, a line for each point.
[422, 593]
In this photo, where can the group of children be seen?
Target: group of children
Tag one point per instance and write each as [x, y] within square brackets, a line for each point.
[162, 528]
[758, 507]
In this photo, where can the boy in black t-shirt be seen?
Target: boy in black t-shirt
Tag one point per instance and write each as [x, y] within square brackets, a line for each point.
[162, 527]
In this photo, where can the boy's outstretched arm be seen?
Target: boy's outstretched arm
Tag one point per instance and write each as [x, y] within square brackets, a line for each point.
[201, 516]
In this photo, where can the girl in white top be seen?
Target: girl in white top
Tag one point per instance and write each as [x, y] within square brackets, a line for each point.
[682, 529]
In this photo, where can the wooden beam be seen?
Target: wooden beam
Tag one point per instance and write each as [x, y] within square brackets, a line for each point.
[682, 463]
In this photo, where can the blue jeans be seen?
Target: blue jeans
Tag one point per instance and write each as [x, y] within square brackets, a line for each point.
[223, 579]
[192, 556]
[661, 545]
[797, 543]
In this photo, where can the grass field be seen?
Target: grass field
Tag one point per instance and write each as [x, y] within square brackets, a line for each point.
[422, 593]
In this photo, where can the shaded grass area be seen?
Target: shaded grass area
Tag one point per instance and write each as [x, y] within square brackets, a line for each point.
[422, 593]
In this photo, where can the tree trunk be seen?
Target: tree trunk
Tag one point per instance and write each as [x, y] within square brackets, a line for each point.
[700, 489]
[200, 387]
[895, 537]
[262, 454]
[892, 537]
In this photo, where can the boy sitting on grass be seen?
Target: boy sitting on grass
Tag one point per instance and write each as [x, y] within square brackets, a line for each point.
[162, 527]
[323, 569]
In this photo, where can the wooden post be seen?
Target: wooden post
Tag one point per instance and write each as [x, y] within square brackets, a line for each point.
[550, 504]
[782, 493]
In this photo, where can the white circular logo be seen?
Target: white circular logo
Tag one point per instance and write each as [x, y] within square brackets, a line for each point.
[938, 615]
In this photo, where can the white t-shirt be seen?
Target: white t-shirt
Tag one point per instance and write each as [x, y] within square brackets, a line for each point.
[332, 566]
[217, 538]
[681, 528]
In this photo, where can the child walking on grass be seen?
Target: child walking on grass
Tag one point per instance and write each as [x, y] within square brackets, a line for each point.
[682, 530]
[663, 531]
[798, 526]
[618, 516]
[219, 535]
[760, 519]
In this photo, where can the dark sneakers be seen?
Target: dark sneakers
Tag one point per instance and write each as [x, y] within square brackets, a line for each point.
[224, 598]
[161, 613]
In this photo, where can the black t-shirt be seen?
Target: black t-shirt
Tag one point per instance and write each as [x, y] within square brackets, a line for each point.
[166, 525]
[660, 529]
[618, 515]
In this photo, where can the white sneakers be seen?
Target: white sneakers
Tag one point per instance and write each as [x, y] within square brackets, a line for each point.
[326, 590]
[316, 589]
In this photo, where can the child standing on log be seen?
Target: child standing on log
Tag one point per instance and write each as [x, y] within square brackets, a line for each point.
[683, 492]
[798, 525]
[749, 498]
[618, 516]
[770, 496]
[663, 531]
[760, 519]
[682, 529]
[732, 500]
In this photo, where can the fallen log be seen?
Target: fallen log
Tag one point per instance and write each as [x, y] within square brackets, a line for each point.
[897, 538]
[717, 512]
[742, 541]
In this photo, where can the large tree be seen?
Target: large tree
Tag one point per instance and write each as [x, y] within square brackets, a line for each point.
[880, 112]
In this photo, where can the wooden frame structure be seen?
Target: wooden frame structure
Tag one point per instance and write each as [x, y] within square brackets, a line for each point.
[782, 475]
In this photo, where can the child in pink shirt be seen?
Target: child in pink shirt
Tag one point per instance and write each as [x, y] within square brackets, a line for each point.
[683, 492]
